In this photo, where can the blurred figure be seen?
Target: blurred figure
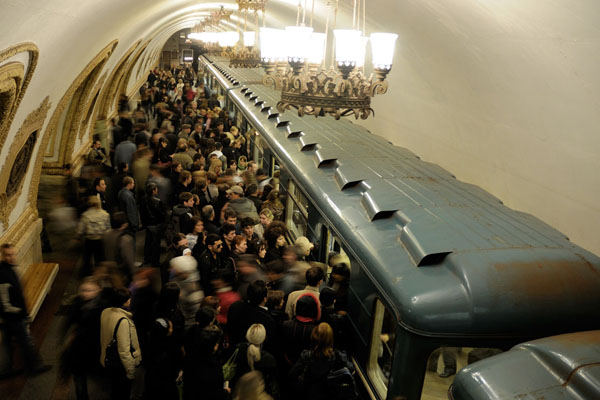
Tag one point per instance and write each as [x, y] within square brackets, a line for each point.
[94, 223]
[202, 371]
[119, 246]
[81, 335]
[15, 316]
[251, 387]
[164, 361]
[185, 275]
[153, 213]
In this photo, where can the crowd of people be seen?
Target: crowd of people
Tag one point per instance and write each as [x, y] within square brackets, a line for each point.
[221, 305]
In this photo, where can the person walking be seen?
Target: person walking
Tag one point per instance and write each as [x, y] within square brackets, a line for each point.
[116, 324]
[15, 318]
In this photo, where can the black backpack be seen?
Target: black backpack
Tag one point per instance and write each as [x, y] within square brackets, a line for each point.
[173, 228]
[112, 360]
[340, 382]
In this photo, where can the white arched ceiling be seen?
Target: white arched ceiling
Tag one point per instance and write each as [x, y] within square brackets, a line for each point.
[504, 94]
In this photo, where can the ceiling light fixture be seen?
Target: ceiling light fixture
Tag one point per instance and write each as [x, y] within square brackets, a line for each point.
[294, 60]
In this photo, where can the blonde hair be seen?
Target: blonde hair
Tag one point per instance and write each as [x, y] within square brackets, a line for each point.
[215, 166]
[255, 336]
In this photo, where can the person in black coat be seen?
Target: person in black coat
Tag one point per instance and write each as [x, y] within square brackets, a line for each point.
[297, 332]
[81, 335]
[251, 357]
[14, 313]
[202, 371]
[164, 360]
[153, 214]
[309, 374]
[243, 314]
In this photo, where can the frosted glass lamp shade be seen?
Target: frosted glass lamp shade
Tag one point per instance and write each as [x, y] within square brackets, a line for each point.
[297, 42]
[222, 39]
[272, 44]
[316, 48]
[346, 46]
[382, 46]
[249, 38]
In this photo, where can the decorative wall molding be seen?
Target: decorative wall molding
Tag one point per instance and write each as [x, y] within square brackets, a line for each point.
[107, 96]
[20, 84]
[131, 65]
[93, 101]
[76, 97]
[21, 225]
[18, 160]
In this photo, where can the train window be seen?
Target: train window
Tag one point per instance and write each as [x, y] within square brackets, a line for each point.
[296, 211]
[443, 364]
[381, 354]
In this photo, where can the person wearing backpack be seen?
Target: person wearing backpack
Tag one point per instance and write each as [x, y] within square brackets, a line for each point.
[120, 349]
[181, 216]
[323, 372]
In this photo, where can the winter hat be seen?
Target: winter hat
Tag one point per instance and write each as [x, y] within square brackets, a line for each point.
[304, 244]
[308, 308]
[183, 264]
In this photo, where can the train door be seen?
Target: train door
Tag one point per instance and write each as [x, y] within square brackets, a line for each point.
[381, 349]
[296, 211]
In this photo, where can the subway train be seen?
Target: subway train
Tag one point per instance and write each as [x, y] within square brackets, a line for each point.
[563, 367]
[442, 273]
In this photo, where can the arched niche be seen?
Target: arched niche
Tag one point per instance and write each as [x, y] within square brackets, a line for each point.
[18, 161]
[124, 83]
[65, 124]
[87, 116]
[108, 94]
[14, 79]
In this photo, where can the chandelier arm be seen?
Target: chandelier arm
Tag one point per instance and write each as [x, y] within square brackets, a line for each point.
[334, 24]
[298, 12]
[312, 13]
[364, 18]
[378, 87]
[304, 13]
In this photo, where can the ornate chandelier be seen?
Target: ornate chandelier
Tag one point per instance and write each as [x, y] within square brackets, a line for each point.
[245, 54]
[211, 38]
[294, 62]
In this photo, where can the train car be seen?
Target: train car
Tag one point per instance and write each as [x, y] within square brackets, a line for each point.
[441, 271]
[564, 367]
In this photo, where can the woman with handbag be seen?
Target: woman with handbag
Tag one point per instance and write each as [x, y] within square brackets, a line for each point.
[120, 349]
[323, 372]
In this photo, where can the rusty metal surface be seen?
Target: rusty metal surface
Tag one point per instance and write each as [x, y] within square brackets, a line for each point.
[565, 367]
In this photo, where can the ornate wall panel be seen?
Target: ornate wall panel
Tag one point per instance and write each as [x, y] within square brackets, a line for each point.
[17, 163]
[109, 92]
[91, 105]
[14, 80]
[76, 98]
[127, 76]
